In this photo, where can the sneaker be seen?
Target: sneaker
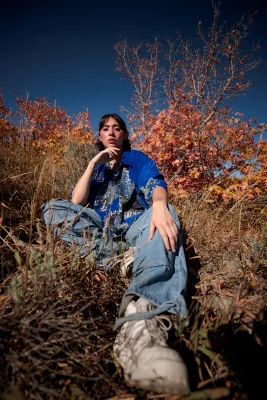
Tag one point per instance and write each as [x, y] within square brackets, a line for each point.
[126, 264]
[141, 350]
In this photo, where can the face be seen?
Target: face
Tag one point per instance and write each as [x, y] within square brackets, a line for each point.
[111, 134]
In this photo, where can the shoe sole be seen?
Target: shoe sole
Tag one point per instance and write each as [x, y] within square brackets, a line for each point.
[158, 385]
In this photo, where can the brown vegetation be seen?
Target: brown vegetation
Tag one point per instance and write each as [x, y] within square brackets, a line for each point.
[58, 310]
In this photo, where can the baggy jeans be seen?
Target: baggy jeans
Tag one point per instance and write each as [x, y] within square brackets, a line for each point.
[158, 274]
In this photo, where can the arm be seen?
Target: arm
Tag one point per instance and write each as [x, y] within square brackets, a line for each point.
[80, 193]
[162, 219]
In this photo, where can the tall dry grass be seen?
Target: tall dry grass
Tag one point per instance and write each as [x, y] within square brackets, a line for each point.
[58, 310]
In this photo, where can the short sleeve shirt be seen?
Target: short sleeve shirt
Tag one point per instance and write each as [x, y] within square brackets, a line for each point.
[122, 196]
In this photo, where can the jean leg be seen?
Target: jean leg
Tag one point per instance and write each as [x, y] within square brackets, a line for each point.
[77, 225]
[159, 275]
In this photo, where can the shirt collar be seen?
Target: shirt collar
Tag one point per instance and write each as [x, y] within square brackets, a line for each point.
[127, 157]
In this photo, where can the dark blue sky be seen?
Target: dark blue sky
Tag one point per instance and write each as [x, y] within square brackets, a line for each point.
[64, 50]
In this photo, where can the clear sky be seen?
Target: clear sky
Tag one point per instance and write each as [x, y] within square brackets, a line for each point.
[64, 50]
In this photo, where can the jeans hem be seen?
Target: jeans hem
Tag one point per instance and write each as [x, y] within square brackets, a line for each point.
[168, 306]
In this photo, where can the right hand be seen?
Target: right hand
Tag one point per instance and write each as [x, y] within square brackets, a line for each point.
[109, 154]
[81, 191]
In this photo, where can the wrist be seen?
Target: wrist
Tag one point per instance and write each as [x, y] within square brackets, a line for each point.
[160, 195]
[159, 200]
[91, 165]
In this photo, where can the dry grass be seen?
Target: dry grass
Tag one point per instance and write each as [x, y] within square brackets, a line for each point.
[58, 310]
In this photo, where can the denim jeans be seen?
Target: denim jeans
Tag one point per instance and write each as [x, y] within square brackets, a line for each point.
[159, 275]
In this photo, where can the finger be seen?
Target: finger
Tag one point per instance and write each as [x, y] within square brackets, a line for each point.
[175, 229]
[113, 149]
[173, 242]
[173, 237]
[112, 152]
[170, 237]
[175, 232]
[151, 230]
[165, 238]
[109, 155]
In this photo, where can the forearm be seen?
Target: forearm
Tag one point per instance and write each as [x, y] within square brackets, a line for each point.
[162, 219]
[81, 191]
[159, 195]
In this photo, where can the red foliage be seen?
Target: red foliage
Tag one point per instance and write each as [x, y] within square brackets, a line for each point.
[199, 145]
[6, 128]
[221, 155]
[45, 125]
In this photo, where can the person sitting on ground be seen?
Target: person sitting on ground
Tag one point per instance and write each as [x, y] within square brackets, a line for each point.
[122, 199]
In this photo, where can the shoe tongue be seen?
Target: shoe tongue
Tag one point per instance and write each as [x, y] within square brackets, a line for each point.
[142, 305]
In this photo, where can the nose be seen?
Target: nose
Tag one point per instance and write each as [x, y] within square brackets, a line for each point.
[111, 132]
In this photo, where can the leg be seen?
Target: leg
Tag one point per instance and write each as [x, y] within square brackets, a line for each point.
[77, 225]
[159, 279]
[159, 275]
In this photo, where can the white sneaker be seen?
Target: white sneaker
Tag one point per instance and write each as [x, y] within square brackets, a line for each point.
[148, 363]
[126, 264]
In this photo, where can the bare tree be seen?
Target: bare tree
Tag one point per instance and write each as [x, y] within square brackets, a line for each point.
[140, 65]
[209, 70]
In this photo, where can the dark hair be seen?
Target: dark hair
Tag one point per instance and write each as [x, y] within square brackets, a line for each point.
[126, 143]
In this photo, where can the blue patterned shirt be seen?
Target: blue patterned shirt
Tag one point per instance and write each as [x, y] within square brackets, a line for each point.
[122, 196]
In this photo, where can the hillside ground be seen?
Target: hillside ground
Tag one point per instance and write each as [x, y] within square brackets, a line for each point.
[58, 309]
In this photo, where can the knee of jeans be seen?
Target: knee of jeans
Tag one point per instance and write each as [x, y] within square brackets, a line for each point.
[56, 204]
[50, 204]
[55, 211]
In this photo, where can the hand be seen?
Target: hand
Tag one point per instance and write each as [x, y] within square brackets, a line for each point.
[104, 156]
[162, 220]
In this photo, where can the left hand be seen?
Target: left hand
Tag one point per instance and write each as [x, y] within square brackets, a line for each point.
[162, 220]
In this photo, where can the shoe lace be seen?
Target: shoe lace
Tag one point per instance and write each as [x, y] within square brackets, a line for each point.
[158, 329]
[150, 332]
[165, 328]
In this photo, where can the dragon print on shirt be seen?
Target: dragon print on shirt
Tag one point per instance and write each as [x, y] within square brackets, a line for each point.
[120, 197]
[118, 200]
[148, 189]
